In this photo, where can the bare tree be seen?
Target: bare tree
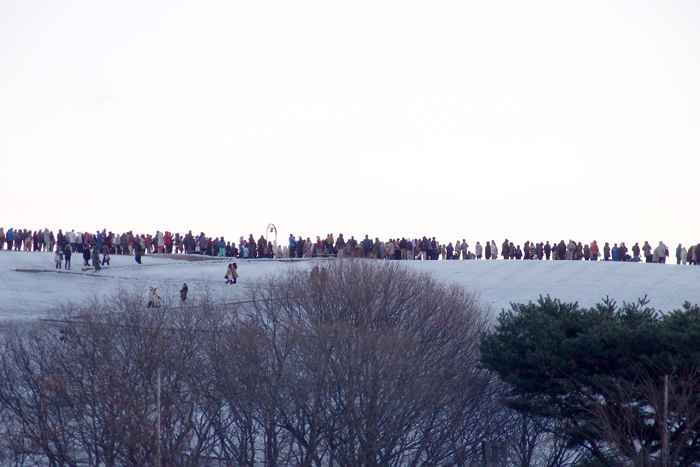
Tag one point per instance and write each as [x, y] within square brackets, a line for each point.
[354, 363]
[81, 388]
[385, 359]
[539, 442]
[634, 410]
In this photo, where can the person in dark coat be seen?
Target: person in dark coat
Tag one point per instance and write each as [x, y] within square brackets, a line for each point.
[137, 252]
[561, 251]
[487, 250]
[67, 254]
[635, 251]
[647, 252]
[622, 252]
[86, 256]
[183, 292]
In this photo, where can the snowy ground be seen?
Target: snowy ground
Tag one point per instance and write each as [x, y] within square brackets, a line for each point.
[30, 286]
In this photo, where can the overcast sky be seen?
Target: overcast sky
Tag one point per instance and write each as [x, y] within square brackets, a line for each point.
[459, 119]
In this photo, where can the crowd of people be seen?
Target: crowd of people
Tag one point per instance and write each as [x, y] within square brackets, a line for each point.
[91, 245]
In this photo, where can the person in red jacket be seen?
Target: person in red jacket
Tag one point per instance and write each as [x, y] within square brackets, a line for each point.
[595, 251]
[168, 241]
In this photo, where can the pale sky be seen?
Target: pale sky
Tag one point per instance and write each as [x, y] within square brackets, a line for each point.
[456, 119]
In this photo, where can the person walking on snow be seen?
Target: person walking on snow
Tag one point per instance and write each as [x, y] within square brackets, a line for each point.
[86, 256]
[68, 253]
[96, 258]
[137, 256]
[231, 273]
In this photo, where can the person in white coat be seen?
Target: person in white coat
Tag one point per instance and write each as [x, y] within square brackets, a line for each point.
[479, 250]
[153, 298]
[570, 248]
[465, 249]
[72, 239]
[494, 250]
[660, 253]
[160, 239]
[47, 239]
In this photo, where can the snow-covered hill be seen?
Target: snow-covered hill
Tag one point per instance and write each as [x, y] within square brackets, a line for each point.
[30, 285]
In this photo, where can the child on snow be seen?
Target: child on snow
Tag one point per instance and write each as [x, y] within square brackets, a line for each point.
[153, 298]
[96, 259]
[231, 273]
[105, 255]
[183, 292]
[58, 258]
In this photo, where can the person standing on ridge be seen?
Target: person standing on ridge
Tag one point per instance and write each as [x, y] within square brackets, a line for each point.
[647, 252]
[595, 251]
[635, 252]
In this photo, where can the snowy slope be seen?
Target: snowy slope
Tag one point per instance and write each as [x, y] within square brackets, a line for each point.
[30, 285]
